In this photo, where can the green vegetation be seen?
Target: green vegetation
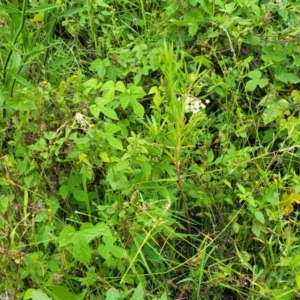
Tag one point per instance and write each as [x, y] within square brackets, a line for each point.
[149, 149]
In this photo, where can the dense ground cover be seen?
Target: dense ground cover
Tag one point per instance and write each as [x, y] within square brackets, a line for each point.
[149, 149]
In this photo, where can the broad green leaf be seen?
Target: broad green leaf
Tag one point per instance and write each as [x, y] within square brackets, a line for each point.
[111, 128]
[131, 95]
[139, 50]
[28, 294]
[138, 293]
[229, 8]
[259, 216]
[112, 294]
[91, 83]
[87, 171]
[102, 3]
[99, 66]
[28, 180]
[117, 251]
[115, 143]
[103, 229]
[194, 2]
[4, 200]
[120, 86]
[124, 99]
[66, 236]
[210, 156]
[193, 29]
[89, 231]
[163, 297]
[274, 56]
[123, 165]
[23, 166]
[206, 6]
[39, 295]
[152, 253]
[225, 181]
[295, 95]
[124, 58]
[195, 15]
[270, 114]
[95, 110]
[295, 261]
[272, 195]
[101, 107]
[262, 82]
[44, 234]
[251, 85]
[101, 101]
[146, 168]
[256, 230]
[105, 157]
[255, 8]
[81, 250]
[79, 195]
[109, 240]
[103, 251]
[109, 112]
[64, 191]
[108, 86]
[296, 62]
[254, 74]
[112, 73]
[157, 99]
[108, 89]
[252, 40]
[138, 108]
[282, 104]
[62, 293]
[84, 159]
[241, 188]
[101, 70]
[136, 92]
[236, 227]
[171, 9]
[117, 181]
[287, 77]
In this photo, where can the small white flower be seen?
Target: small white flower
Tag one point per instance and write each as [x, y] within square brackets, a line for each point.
[197, 105]
[189, 99]
[193, 104]
[207, 101]
[187, 107]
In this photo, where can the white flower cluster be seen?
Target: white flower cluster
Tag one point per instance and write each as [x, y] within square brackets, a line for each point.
[194, 105]
[81, 120]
